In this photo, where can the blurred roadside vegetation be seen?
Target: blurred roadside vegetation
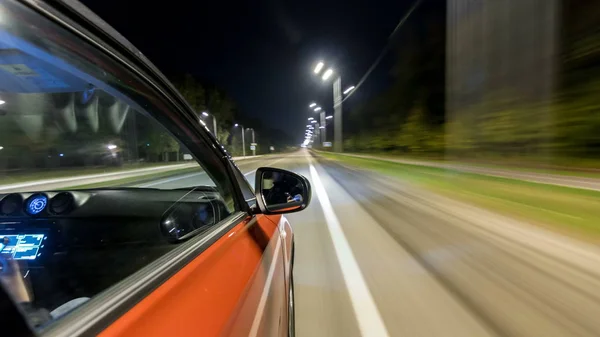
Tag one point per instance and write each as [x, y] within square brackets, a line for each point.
[523, 92]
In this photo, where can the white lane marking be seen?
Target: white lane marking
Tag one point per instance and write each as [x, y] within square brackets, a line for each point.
[164, 181]
[367, 315]
[265, 293]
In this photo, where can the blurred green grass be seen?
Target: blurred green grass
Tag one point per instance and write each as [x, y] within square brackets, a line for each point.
[575, 168]
[570, 210]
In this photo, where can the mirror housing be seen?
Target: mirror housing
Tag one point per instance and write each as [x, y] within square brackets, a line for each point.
[281, 191]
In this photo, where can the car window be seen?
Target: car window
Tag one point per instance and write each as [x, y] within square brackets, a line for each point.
[100, 176]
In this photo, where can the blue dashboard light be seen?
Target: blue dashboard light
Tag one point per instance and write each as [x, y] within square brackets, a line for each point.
[36, 204]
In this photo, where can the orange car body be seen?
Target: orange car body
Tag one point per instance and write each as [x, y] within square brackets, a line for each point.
[239, 286]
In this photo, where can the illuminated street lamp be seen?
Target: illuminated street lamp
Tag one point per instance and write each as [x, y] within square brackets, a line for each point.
[243, 139]
[206, 114]
[312, 105]
[317, 108]
[253, 142]
[319, 67]
[348, 90]
[337, 104]
[327, 74]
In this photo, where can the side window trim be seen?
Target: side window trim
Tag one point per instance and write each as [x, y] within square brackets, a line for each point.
[109, 305]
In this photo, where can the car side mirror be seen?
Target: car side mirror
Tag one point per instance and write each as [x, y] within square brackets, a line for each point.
[280, 191]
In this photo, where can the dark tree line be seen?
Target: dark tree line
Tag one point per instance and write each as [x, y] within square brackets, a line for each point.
[208, 98]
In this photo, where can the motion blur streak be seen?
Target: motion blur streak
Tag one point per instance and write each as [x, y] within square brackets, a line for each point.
[434, 265]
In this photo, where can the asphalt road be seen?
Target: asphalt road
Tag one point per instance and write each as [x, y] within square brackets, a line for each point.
[376, 257]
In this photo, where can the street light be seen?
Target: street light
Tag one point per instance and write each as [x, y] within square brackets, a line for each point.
[319, 67]
[206, 114]
[327, 74]
[243, 139]
[348, 90]
[310, 118]
[317, 108]
[329, 117]
[253, 142]
[312, 105]
[337, 105]
[313, 121]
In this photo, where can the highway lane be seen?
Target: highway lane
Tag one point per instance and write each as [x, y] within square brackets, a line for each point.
[431, 266]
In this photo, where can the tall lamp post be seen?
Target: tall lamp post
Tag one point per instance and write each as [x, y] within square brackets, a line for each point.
[321, 120]
[316, 133]
[337, 104]
[243, 139]
[253, 142]
[214, 119]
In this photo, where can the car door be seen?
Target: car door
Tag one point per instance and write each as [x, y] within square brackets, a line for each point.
[225, 277]
[263, 308]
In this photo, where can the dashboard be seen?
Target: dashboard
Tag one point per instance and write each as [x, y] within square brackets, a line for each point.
[66, 245]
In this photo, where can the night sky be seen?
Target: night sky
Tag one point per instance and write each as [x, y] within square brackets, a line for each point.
[261, 52]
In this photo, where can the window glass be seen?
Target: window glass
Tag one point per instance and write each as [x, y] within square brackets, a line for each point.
[99, 177]
[83, 139]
